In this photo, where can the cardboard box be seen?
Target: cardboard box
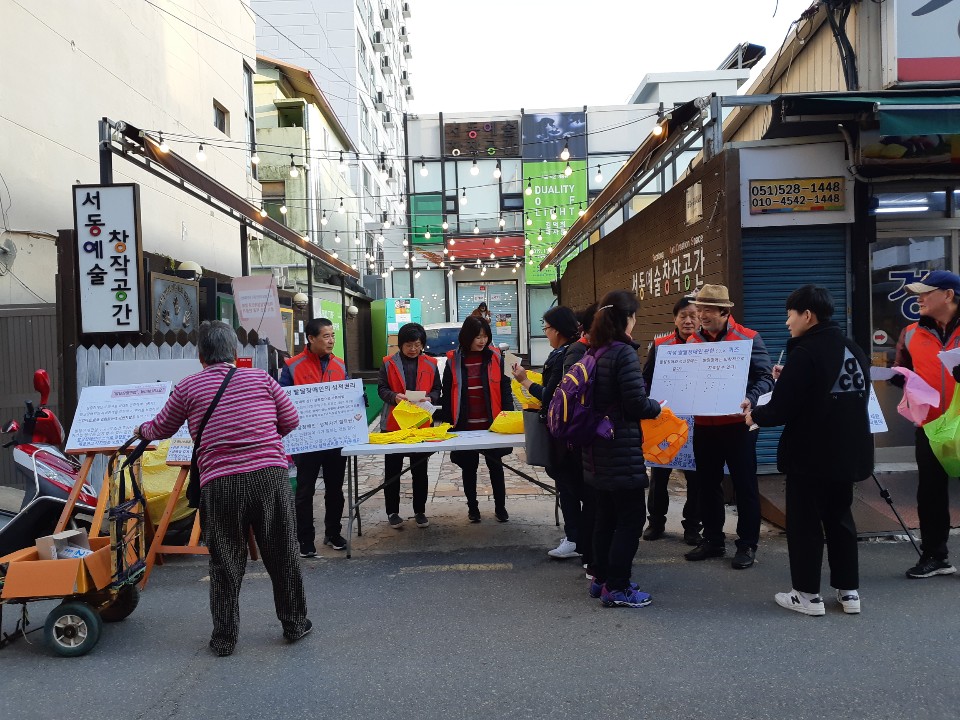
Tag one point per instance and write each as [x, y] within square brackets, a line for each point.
[29, 576]
[49, 545]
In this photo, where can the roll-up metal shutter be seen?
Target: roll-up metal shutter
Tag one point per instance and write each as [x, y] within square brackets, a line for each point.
[776, 261]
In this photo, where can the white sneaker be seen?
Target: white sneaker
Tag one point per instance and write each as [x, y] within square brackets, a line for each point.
[793, 600]
[565, 549]
[850, 601]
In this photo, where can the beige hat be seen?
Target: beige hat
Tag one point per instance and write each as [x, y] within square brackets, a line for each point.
[716, 295]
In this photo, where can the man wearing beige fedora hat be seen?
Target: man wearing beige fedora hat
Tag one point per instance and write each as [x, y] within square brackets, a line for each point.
[727, 440]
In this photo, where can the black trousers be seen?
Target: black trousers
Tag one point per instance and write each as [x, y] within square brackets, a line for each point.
[334, 466]
[616, 535]
[229, 506]
[933, 500]
[567, 474]
[818, 508]
[469, 461]
[735, 445]
[393, 465]
[658, 499]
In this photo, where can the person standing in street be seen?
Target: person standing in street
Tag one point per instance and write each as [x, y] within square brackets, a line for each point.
[685, 320]
[562, 330]
[821, 399]
[408, 369]
[316, 364]
[243, 480]
[615, 467]
[938, 329]
[475, 390]
[726, 440]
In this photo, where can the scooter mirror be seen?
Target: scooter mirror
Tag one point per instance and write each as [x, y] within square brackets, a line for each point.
[41, 383]
[11, 427]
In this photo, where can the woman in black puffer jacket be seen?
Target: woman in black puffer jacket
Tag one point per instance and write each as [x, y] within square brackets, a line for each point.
[615, 467]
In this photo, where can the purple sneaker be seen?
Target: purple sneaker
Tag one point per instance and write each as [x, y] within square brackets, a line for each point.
[630, 597]
[596, 588]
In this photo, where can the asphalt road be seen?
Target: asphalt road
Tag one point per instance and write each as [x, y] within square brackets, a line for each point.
[507, 632]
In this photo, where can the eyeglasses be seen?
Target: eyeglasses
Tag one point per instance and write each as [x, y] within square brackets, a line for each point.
[547, 327]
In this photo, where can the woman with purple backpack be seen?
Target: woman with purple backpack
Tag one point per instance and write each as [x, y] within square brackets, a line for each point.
[613, 466]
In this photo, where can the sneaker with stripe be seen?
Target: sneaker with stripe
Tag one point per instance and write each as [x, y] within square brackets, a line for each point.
[793, 600]
[849, 600]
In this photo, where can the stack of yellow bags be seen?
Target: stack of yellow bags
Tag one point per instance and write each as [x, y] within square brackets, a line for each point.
[413, 435]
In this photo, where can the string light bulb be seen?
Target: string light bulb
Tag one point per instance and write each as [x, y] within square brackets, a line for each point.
[323, 218]
[657, 130]
[502, 223]
[453, 258]
[529, 190]
[383, 170]
[164, 148]
[283, 209]
[336, 255]
[476, 228]
[446, 251]
[463, 196]
[255, 158]
[598, 178]
[423, 168]
[492, 256]
[529, 219]
[336, 236]
[416, 274]
[201, 155]
[497, 172]
[450, 272]
[445, 225]
[341, 166]
[565, 153]
[474, 168]
[497, 265]
[526, 241]
[426, 235]
[462, 268]
[453, 242]
[404, 242]
[539, 236]
[497, 240]
[263, 212]
[581, 212]
[293, 168]
[568, 171]
[553, 213]
[340, 208]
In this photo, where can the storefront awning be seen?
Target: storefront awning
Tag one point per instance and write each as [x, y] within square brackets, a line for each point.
[898, 112]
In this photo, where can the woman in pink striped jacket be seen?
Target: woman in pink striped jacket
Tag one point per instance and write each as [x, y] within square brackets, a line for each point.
[243, 480]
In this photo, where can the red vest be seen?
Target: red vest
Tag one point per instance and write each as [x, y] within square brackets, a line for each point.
[671, 339]
[735, 332]
[494, 374]
[426, 373]
[306, 370]
[923, 344]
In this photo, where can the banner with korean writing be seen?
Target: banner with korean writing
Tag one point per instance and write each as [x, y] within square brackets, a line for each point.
[702, 378]
[109, 262]
[258, 308]
[332, 415]
[107, 414]
[552, 192]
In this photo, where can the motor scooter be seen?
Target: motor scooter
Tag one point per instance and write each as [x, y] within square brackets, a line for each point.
[42, 473]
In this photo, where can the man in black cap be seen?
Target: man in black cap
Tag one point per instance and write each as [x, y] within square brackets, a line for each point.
[938, 329]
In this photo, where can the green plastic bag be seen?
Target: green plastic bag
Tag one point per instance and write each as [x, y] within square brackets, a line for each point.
[944, 436]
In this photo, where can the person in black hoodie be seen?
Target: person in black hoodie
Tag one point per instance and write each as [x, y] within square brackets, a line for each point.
[615, 468]
[821, 399]
[562, 329]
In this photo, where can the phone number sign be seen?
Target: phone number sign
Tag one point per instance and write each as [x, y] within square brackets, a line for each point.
[821, 194]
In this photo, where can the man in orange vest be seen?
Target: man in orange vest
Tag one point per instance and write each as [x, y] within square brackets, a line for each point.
[408, 369]
[727, 440]
[937, 330]
[317, 364]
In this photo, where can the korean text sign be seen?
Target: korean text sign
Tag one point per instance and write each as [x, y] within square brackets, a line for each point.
[107, 222]
[332, 415]
[702, 378]
[107, 414]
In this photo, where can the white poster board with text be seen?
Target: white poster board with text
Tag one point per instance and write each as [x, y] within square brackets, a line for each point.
[702, 378]
[107, 414]
[332, 415]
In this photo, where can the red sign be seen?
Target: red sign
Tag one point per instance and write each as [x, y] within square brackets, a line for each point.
[243, 362]
[475, 247]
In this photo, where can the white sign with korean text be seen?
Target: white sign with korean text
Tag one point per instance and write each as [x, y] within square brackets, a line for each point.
[107, 414]
[702, 378]
[332, 415]
[108, 259]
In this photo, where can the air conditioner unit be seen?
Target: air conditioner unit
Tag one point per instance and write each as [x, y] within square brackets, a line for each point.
[403, 33]
[380, 100]
[386, 17]
[388, 120]
[377, 41]
[406, 52]
[385, 65]
[405, 77]
[406, 9]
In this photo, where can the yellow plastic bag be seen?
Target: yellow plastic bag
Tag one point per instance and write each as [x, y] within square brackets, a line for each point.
[158, 479]
[409, 415]
[526, 400]
[663, 437]
[509, 422]
[414, 435]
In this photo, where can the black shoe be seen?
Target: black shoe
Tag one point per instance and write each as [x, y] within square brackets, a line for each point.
[692, 538]
[501, 514]
[421, 520]
[293, 637]
[307, 549]
[473, 515]
[336, 542]
[744, 558]
[654, 532]
[929, 566]
[396, 522]
[221, 650]
[706, 550]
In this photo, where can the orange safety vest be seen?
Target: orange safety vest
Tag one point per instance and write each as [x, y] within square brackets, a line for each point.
[494, 374]
[923, 344]
[306, 369]
[671, 339]
[426, 373]
[735, 332]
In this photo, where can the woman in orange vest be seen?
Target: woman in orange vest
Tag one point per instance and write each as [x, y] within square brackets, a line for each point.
[475, 390]
[408, 369]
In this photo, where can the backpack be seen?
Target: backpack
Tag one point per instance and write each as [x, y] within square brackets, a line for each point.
[571, 417]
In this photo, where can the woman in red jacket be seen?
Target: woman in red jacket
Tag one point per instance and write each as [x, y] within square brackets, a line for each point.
[475, 390]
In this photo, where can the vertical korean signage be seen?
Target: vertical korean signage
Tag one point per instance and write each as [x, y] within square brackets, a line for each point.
[551, 191]
[109, 267]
